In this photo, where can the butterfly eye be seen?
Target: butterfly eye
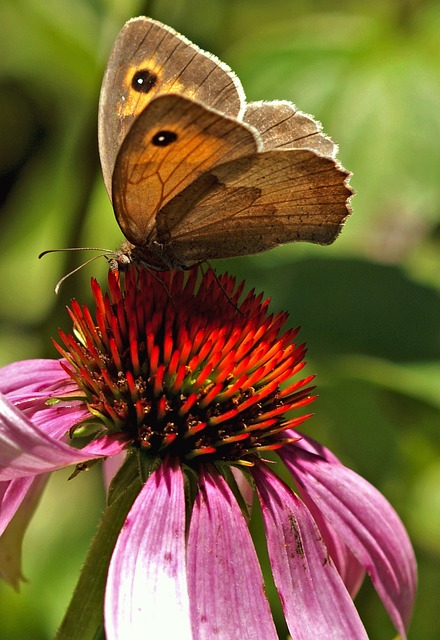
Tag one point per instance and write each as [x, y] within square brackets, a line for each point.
[143, 81]
[164, 138]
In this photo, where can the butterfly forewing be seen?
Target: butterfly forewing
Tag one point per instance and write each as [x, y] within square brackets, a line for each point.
[151, 59]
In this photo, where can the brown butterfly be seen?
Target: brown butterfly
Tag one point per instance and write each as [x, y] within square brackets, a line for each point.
[196, 173]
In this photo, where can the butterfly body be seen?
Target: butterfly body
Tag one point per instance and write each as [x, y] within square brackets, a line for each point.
[194, 172]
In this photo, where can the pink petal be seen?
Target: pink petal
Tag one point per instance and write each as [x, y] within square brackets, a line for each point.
[226, 588]
[56, 420]
[315, 601]
[30, 383]
[31, 376]
[111, 466]
[246, 490]
[19, 501]
[146, 595]
[12, 494]
[111, 445]
[350, 570]
[363, 519]
[25, 450]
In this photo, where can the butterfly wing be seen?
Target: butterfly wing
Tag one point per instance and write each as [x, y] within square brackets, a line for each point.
[149, 59]
[255, 203]
[172, 142]
[282, 126]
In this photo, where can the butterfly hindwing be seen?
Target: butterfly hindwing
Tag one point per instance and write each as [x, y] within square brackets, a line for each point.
[255, 203]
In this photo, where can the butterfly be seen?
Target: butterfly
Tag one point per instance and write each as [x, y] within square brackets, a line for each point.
[193, 171]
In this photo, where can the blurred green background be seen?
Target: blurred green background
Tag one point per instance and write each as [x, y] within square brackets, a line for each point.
[369, 306]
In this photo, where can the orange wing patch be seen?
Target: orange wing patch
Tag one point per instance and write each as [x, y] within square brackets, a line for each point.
[143, 82]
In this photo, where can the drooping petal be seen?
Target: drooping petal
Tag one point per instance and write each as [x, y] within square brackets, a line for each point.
[315, 601]
[19, 499]
[224, 577]
[246, 490]
[56, 420]
[29, 384]
[349, 568]
[110, 467]
[146, 595]
[12, 494]
[364, 520]
[110, 445]
[26, 451]
[31, 376]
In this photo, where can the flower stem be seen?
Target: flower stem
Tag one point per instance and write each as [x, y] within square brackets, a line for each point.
[84, 617]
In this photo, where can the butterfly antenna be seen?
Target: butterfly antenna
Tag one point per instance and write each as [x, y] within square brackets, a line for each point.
[104, 252]
[60, 282]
